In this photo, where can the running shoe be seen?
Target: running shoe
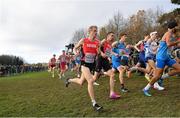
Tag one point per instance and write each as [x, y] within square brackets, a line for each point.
[125, 90]
[146, 93]
[157, 87]
[95, 83]
[114, 96]
[67, 82]
[97, 107]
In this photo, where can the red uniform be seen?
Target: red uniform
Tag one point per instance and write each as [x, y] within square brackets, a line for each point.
[90, 50]
[142, 46]
[107, 48]
[52, 63]
[62, 60]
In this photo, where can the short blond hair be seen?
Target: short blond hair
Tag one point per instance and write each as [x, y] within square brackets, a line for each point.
[91, 27]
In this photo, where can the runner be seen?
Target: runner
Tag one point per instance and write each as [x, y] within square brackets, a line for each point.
[78, 57]
[150, 47]
[90, 49]
[103, 62]
[52, 65]
[141, 65]
[63, 66]
[163, 57]
[117, 51]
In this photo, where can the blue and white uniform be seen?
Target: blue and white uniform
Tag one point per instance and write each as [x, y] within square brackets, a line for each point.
[150, 50]
[78, 59]
[142, 54]
[119, 49]
[163, 56]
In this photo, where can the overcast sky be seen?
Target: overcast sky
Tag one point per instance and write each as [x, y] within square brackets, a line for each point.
[36, 29]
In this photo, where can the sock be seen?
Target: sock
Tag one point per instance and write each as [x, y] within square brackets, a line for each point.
[93, 102]
[147, 87]
[165, 76]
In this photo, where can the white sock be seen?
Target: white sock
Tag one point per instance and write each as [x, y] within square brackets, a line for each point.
[148, 86]
[165, 76]
[93, 102]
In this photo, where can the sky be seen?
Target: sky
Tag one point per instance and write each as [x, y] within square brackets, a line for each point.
[37, 29]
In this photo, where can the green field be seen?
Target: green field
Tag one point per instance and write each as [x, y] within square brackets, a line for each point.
[36, 94]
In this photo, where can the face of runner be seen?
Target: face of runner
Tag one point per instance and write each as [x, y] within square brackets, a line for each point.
[146, 37]
[123, 38]
[110, 37]
[154, 36]
[93, 32]
[54, 55]
[63, 52]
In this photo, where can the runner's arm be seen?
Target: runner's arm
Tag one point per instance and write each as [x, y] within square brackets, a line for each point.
[79, 44]
[169, 43]
[136, 46]
[114, 44]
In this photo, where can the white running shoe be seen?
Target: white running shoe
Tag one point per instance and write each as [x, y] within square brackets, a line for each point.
[156, 86]
[95, 83]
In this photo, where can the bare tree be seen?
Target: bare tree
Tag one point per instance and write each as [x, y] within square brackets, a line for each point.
[116, 24]
[78, 34]
[102, 33]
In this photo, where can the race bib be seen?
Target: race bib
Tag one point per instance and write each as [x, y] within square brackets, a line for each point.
[89, 57]
[121, 52]
[108, 53]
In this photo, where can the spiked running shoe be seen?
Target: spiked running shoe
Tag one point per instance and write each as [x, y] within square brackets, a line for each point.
[146, 93]
[97, 107]
[67, 82]
[114, 96]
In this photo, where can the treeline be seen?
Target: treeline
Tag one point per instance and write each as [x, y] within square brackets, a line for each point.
[136, 26]
[11, 60]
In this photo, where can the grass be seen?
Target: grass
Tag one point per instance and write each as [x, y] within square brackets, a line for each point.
[37, 94]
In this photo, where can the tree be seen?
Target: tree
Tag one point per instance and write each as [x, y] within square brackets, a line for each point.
[11, 60]
[163, 19]
[175, 1]
[141, 23]
[117, 24]
[102, 33]
[78, 34]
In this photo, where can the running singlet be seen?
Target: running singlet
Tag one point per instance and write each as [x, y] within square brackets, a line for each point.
[142, 46]
[107, 48]
[150, 48]
[120, 49]
[78, 57]
[62, 58]
[163, 52]
[125, 56]
[53, 61]
[90, 50]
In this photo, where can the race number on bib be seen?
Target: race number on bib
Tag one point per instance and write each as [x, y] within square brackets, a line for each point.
[108, 53]
[89, 57]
